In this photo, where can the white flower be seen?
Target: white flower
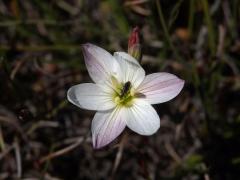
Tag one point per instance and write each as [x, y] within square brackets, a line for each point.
[122, 94]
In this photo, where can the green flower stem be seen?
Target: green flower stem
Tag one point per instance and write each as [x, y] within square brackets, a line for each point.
[2, 143]
[211, 33]
[57, 109]
[191, 17]
[165, 30]
[42, 48]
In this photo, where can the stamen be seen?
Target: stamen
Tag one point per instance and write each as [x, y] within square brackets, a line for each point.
[124, 94]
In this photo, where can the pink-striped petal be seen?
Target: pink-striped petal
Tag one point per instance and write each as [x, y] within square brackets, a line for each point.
[106, 126]
[142, 118]
[160, 87]
[100, 63]
[130, 69]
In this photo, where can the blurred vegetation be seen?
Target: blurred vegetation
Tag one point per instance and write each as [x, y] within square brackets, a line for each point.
[44, 137]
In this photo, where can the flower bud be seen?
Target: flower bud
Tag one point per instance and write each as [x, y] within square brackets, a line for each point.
[134, 46]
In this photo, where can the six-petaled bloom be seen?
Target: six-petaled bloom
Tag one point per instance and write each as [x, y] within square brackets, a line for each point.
[122, 94]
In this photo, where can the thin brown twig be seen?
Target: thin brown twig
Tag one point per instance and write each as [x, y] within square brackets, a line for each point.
[12, 122]
[18, 158]
[39, 48]
[172, 152]
[41, 124]
[136, 2]
[9, 23]
[140, 10]
[2, 142]
[119, 153]
[16, 69]
[6, 151]
[221, 40]
[61, 151]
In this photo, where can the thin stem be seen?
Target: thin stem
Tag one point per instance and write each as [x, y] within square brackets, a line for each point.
[18, 158]
[9, 23]
[41, 48]
[165, 30]
[62, 151]
[2, 142]
[56, 110]
[211, 35]
[119, 153]
[191, 17]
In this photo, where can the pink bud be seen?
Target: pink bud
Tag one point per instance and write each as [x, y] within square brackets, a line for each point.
[134, 37]
[134, 47]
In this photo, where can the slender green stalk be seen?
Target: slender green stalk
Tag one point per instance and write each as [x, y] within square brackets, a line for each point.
[174, 13]
[32, 22]
[191, 17]
[56, 109]
[211, 33]
[165, 30]
[42, 48]
[236, 8]
[2, 143]
[47, 164]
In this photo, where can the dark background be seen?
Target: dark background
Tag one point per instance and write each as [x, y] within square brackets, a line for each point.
[42, 136]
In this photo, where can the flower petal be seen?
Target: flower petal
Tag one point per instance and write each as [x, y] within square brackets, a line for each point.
[91, 96]
[127, 57]
[130, 68]
[100, 63]
[160, 87]
[106, 126]
[142, 118]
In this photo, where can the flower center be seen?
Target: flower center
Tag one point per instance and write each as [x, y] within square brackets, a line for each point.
[124, 94]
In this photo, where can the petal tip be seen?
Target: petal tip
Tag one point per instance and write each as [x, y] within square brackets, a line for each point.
[86, 46]
[70, 95]
[96, 147]
[98, 144]
[182, 82]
